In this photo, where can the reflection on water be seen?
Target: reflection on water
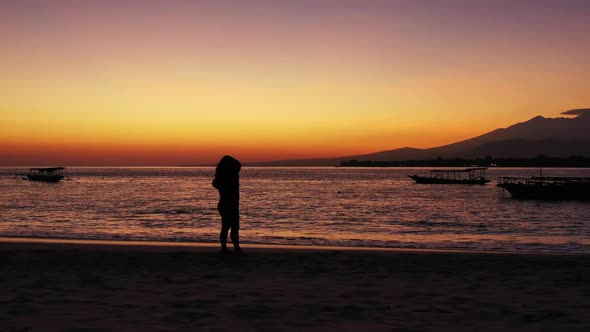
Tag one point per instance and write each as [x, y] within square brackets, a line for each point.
[311, 206]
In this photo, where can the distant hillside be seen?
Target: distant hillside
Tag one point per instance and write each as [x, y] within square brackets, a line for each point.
[538, 161]
[556, 137]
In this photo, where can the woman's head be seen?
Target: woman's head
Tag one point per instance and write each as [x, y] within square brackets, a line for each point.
[228, 166]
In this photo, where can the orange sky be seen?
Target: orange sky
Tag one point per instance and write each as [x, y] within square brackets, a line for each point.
[171, 82]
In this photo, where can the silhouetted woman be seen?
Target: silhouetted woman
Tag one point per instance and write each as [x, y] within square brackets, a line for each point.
[227, 182]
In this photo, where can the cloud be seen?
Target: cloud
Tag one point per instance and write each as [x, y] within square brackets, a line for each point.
[577, 112]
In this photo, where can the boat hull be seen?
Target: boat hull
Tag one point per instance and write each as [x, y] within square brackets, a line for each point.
[45, 178]
[570, 191]
[431, 180]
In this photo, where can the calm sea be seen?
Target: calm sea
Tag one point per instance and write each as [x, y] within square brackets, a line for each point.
[301, 206]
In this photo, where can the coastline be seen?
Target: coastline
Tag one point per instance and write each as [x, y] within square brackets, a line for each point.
[34, 243]
[66, 285]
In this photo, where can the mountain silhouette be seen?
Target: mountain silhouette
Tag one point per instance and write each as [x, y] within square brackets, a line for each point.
[555, 137]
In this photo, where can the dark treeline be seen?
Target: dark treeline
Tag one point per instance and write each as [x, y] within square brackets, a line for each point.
[540, 161]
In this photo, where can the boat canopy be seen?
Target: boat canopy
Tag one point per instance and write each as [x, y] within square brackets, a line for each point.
[459, 170]
[47, 169]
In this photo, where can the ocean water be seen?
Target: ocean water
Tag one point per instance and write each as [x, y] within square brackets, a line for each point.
[300, 206]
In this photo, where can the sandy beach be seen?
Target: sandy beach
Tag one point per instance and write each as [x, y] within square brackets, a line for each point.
[105, 286]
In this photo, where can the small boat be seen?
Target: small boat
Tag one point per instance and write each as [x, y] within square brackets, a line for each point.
[472, 175]
[49, 174]
[547, 188]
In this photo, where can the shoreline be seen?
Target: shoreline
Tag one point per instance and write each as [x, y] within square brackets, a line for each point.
[148, 245]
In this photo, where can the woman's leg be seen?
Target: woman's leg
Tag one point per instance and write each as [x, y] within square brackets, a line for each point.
[235, 235]
[230, 219]
[223, 234]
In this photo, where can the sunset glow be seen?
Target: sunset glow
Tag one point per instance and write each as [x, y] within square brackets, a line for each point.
[179, 82]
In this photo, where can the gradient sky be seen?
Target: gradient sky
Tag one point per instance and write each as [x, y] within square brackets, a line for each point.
[184, 82]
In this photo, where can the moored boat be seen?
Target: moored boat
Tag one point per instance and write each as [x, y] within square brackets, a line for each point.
[473, 175]
[48, 174]
[547, 188]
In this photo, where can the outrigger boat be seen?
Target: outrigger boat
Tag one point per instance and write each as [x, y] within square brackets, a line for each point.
[473, 175]
[49, 174]
[547, 188]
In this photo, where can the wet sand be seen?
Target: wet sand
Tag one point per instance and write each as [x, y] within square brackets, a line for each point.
[106, 286]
